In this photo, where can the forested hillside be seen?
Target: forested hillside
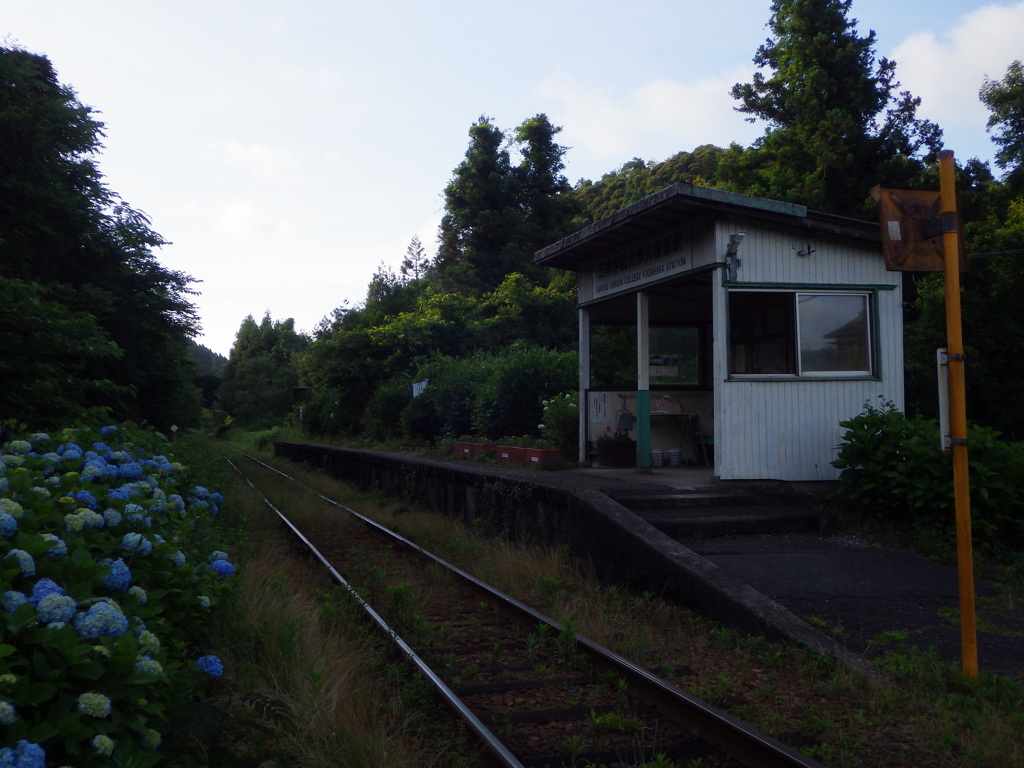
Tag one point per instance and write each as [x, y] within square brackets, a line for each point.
[836, 124]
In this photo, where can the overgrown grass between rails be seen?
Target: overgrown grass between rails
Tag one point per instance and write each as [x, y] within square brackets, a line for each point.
[925, 714]
[312, 685]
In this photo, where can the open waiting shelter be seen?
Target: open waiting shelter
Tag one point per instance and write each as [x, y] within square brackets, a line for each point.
[730, 330]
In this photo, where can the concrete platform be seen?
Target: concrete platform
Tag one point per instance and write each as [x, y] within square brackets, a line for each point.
[865, 596]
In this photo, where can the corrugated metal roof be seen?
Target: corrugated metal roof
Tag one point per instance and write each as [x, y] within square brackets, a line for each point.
[677, 203]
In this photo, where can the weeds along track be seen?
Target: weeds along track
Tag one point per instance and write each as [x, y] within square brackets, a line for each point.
[532, 691]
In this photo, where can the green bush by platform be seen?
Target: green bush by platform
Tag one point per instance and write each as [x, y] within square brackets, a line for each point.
[893, 468]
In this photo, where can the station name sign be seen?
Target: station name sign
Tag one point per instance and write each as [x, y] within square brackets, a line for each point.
[640, 264]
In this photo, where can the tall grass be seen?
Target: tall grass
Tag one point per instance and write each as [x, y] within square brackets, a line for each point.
[924, 713]
[313, 686]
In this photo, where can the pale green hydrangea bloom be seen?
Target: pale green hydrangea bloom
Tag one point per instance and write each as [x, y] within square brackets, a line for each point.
[103, 744]
[94, 704]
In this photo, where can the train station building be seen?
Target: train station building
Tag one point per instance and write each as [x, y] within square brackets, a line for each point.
[730, 330]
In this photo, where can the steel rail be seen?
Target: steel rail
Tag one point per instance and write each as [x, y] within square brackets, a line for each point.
[734, 737]
[499, 754]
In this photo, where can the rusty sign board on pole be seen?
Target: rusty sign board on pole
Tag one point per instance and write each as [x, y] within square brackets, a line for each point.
[912, 227]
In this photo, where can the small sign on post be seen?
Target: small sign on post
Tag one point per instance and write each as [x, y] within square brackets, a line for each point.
[174, 432]
[912, 224]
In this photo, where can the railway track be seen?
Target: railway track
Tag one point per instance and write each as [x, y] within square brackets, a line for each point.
[532, 691]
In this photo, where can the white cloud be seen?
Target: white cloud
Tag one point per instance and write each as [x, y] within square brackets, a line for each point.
[276, 165]
[948, 72]
[654, 120]
[246, 220]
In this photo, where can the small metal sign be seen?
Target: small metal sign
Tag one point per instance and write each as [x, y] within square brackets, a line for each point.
[912, 227]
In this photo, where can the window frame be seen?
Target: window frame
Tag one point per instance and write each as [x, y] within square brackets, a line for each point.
[870, 299]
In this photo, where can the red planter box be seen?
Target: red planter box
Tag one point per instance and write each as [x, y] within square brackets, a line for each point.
[543, 457]
[479, 449]
[510, 454]
[467, 450]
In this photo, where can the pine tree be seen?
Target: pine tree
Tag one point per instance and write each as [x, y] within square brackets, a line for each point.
[836, 125]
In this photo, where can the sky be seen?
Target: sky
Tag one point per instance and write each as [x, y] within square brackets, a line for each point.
[288, 149]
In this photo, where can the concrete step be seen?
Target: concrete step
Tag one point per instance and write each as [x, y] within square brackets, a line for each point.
[726, 520]
[707, 512]
[700, 498]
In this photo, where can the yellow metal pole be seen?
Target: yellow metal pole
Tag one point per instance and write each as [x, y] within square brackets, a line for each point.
[958, 415]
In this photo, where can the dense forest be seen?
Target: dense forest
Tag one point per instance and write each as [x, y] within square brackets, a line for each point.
[493, 334]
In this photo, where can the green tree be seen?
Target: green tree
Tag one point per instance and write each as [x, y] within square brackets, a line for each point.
[480, 214]
[1005, 100]
[498, 213]
[63, 231]
[416, 262]
[48, 382]
[261, 372]
[836, 123]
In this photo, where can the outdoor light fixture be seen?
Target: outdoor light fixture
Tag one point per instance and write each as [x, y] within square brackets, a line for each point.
[732, 259]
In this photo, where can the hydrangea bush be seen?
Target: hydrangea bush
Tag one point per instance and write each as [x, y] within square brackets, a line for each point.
[108, 576]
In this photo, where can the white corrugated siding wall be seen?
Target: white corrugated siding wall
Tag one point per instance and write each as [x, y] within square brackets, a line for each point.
[789, 429]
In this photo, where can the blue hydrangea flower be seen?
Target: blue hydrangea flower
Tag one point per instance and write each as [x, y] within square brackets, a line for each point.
[103, 618]
[131, 471]
[44, 587]
[58, 547]
[111, 517]
[25, 755]
[216, 498]
[222, 567]
[7, 713]
[12, 600]
[178, 558]
[204, 601]
[108, 431]
[86, 498]
[139, 594]
[149, 666]
[120, 575]
[8, 525]
[25, 561]
[101, 448]
[118, 494]
[177, 501]
[103, 744]
[72, 454]
[216, 555]
[56, 609]
[19, 446]
[94, 704]
[90, 518]
[39, 437]
[210, 665]
[137, 543]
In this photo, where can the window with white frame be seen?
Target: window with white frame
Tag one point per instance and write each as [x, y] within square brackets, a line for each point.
[800, 333]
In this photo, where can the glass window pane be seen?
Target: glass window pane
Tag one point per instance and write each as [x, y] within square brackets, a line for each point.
[834, 334]
[761, 333]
